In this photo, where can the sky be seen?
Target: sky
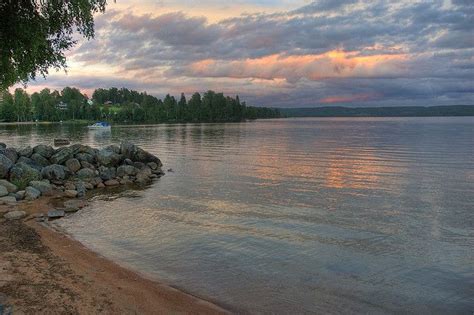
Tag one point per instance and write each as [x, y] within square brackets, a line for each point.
[282, 53]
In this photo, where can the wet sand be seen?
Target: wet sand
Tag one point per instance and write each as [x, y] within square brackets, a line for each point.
[43, 271]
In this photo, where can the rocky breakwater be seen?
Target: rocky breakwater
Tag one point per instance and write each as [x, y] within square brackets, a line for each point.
[28, 173]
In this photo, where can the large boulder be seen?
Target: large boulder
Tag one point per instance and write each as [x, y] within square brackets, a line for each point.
[11, 188]
[21, 174]
[86, 173]
[107, 173]
[10, 153]
[30, 162]
[54, 172]
[3, 191]
[85, 157]
[27, 151]
[73, 165]
[137, 154]
[32, 193]
[62, 155]
[39, 159]
[124, 170]
[44, 150]
[45, 188]
[5, 166]
[108, 158]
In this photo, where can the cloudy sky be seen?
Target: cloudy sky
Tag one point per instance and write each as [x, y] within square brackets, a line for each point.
[283, 53]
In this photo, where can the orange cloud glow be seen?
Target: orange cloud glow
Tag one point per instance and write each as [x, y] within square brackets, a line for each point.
[332, 64]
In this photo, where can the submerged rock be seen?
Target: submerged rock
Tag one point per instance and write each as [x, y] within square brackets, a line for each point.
[54, 214]
[15, 215]
[70, 193]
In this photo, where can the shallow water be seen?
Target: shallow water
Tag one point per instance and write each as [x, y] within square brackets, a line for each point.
[370, 215]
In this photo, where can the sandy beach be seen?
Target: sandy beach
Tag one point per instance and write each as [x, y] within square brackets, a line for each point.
[43, 271]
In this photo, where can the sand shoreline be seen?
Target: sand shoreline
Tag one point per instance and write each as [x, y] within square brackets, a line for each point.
[43, 270]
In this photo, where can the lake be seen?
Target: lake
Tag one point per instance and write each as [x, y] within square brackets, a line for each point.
[330, 215]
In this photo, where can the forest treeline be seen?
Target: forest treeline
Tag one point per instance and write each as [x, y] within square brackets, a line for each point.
[128, 106]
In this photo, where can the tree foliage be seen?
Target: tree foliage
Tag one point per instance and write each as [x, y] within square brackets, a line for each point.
[128, 106]
[35, 34]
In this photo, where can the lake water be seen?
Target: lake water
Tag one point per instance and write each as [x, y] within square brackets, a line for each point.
[346, 215]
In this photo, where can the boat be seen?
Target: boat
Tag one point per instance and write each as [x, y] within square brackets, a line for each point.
[101, 125]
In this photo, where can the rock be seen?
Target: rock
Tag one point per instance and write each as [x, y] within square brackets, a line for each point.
[89, 186]
[81, 189]
[86, 164]
[55, 214]
[32, 193]
[8, 200]
[60, 142]
[54, 172]
[139, 165]
[107, 173]
[45, 188]
[75, 203]
[108, 158]
[86, 173]
[85, 157]
[87, 149]
[100, 185]
[142, 178]
[111, 182]
[9, 186]
[15, 215]
[39, 159]
[44, 150]
[128, 162]
[62, 155]
[70, 193]
[134, 153]
[3, 191]
[26, 152]
[125, 181]
[70, 210]
[21, 174]
[10, 153]
[124, 170]
[73, 165]
[5, 165]
[95, 181]
[20, 195]
[113, 148]
[69, 186]
[30, 162]
[152, 165]
[3, 145]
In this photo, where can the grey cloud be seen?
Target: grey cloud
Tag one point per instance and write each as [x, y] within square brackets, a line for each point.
[436, 39]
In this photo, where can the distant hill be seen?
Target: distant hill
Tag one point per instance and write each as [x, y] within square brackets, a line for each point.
[400, 111]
